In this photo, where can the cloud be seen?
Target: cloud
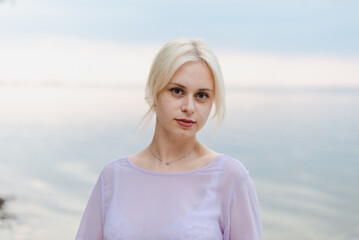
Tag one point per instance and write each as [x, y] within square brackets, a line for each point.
[73, 61]
[279, 26]
[255, 69]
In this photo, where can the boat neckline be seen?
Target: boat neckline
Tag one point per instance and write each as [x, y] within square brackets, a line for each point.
[176, 173]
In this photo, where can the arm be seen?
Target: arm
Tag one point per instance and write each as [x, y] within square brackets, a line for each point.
[245, 219]
[91, 223]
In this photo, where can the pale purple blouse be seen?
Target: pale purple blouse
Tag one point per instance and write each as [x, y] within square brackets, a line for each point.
[218, 201]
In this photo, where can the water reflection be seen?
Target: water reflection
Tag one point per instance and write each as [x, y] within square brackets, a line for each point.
[300, 148]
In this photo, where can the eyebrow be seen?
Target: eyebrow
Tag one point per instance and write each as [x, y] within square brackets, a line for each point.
[201, 89]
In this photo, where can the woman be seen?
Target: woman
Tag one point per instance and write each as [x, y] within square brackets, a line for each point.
[176, 188]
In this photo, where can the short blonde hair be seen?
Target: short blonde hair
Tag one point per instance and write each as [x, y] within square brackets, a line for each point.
[170, 58]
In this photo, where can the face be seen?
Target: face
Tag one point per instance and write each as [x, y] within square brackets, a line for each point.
[183, 106]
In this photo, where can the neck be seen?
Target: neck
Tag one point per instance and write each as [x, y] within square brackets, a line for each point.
[169, 148]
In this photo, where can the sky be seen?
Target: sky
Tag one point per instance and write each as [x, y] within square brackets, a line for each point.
[272, 42]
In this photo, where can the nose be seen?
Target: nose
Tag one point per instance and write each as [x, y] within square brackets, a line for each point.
[188, 105]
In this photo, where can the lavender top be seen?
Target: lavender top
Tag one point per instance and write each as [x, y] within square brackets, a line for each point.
[217, 201]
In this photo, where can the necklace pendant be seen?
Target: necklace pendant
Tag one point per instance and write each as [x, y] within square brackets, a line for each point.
[168, 163]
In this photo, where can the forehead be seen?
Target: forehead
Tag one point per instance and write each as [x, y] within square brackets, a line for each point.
[193, 75]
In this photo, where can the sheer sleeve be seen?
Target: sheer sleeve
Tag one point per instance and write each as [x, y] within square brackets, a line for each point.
[92, 219]
[245, 220]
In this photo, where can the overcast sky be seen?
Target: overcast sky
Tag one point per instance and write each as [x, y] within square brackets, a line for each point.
[305, 28]
[298, 26]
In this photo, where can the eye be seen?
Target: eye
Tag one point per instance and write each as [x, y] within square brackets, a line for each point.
[202, 95]
[176, 91]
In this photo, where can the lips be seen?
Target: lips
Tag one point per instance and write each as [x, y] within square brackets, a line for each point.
[185, 122]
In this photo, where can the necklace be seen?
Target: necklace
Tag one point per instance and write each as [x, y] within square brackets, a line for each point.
[168, 163]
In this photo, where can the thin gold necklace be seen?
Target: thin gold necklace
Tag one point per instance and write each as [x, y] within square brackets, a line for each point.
[168, 163]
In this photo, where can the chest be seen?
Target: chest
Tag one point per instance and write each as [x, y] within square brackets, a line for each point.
[195, 225]
[170, 212]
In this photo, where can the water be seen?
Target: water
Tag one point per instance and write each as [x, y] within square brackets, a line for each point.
[301, 147]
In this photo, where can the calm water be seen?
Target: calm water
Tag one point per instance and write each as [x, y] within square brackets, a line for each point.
[301, 147]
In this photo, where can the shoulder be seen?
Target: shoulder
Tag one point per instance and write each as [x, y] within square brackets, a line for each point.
[111, 167]
[233, 169]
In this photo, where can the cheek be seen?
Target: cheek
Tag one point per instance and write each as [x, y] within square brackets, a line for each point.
[168, 107]
[165, 109]
[205, 111]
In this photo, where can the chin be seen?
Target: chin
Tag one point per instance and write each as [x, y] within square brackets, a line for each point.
[184, 133]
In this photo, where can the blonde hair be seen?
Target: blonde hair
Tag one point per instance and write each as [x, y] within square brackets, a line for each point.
[170, 58]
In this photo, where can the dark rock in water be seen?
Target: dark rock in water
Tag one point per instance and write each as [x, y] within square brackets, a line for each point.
[2, 201]
[5, 217]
